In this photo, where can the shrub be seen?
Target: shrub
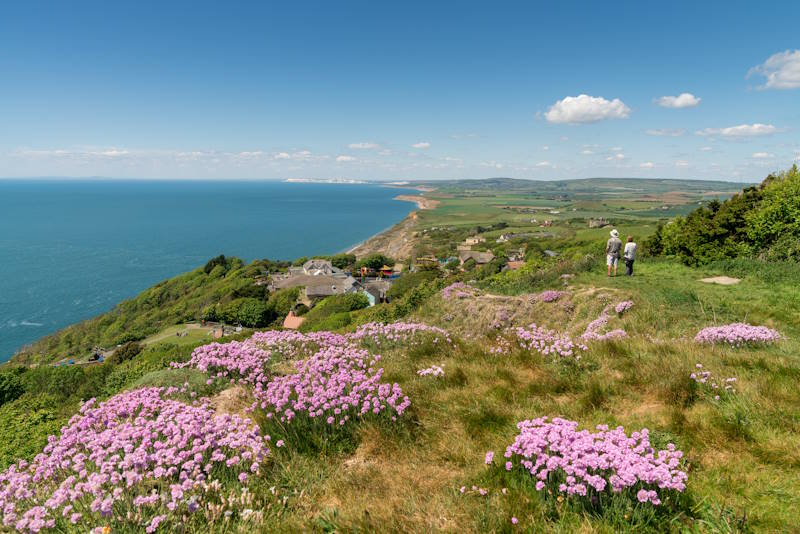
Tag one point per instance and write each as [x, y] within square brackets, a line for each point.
[334, 305]
[126, 352]
[10, 386]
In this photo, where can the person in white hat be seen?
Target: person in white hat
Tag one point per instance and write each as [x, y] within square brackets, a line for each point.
[613, 246]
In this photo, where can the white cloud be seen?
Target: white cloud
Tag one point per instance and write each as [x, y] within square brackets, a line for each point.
[666, 132]
[586, 152]
[385, 152]
[282, 155]
[492, 164]
[463, 136]
[781, 70]
[616, 149]
[421, 144]
[616, 157]
[544, 164]
[344, 159]
[545, 148]
[647, 165]
[585, 109]
[742, 130]
[681, 163]
[706, 149]
[683, 100]
[364, 145]
[564, 138]
[762, 155]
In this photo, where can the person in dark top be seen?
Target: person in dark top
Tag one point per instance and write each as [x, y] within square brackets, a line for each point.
[613, 247]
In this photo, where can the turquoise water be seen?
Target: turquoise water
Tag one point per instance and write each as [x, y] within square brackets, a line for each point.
[71, 250]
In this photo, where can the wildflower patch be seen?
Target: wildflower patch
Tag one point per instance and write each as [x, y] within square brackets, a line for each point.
[586, 465]
[138, 460]
[737, 335]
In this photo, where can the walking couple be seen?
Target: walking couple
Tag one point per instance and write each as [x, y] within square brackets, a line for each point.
[613, 248]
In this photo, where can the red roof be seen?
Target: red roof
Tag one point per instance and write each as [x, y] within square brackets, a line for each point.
[292, 321]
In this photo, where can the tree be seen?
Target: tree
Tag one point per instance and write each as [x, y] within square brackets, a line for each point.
[11, 386]
[128, 351]
[374, 261]
[213, 262]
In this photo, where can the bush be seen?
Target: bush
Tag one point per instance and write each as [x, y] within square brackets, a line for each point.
[335, 305]
[409, 281]
[762, 220]
[374, 261]
[128, 351]
[11, 386]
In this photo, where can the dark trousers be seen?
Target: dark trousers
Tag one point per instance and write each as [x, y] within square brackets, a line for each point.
[628, 267]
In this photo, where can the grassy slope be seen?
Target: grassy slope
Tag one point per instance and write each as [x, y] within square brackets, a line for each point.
[743, 453]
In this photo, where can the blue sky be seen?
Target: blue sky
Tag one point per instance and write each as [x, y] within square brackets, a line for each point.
[400, 90]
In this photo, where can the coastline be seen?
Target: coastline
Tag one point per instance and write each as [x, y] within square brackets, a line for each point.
[397, 241]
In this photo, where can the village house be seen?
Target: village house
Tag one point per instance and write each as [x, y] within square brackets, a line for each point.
[474, 240]
[481, 258]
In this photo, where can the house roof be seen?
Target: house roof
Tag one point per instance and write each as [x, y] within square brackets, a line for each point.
[514, 265]
[292, 321]
[479, 257]
[295, 280]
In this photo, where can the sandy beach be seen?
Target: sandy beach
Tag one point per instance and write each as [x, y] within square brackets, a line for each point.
[397, 241]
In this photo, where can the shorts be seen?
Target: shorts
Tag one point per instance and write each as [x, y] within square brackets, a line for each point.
[612, 260]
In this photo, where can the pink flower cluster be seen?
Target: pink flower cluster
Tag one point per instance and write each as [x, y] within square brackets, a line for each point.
[737, 334]
[550, 295]
[433, 370]
[623, 306]
[138, 458]
[594, 329]
[707, 379]
[458, 290]
[335, 380]
[398, 332]
[333, 384]
[546, 342]
[566, 460]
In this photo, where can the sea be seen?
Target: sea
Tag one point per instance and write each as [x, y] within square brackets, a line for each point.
[70, 250]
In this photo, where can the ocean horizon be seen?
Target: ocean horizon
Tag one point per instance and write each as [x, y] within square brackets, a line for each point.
[71, 249]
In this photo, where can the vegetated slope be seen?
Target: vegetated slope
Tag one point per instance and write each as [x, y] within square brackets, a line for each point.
[224, 289]
[762, 221]
[425, 469]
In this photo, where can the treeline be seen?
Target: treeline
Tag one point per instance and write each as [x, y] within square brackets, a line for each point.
[760, 222]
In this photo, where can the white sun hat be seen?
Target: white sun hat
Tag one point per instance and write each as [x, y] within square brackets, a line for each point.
[614, 233]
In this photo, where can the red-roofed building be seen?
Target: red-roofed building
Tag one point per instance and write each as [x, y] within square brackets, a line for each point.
[292, 321]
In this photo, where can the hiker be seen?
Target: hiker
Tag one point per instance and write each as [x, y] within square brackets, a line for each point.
[613, 247]
[629, 254]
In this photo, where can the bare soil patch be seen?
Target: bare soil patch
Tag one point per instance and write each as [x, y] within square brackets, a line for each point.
[721, 280]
